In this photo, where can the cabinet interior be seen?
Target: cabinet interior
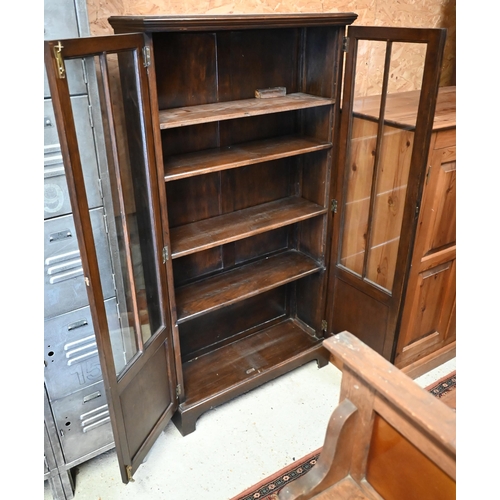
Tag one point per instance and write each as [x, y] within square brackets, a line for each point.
[247, 185]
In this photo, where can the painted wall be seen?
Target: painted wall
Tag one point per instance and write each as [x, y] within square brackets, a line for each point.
[402, 13]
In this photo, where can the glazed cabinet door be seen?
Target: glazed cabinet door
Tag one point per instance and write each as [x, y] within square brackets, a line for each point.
[383, 148]
[136, 353]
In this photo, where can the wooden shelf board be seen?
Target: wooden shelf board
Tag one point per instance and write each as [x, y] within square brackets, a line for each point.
[243, 282]
[247, 358]
[239, 155]
[234, 226]
[205, 113]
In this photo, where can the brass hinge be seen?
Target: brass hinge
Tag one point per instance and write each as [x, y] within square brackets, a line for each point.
[61, 70]
[334, 206]
[324, 325]
[345, 44]
[146, 54]
[129, 473]
[178, 390]
[417, 210]
[165, 254]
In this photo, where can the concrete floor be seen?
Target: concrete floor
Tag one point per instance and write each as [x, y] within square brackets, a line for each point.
[234, 446]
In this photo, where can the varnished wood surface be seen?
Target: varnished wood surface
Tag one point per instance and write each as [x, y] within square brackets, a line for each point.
[242, 282]
[245, 359]
[124, 24]
[239, 155]
[396, 387]
[401, 108]
[392, 465]
[428, 322]
[233, 226]
[345, 489]
[388, 439]
[206, 113]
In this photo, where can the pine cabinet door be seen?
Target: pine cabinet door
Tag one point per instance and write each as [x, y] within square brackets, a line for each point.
[428, 321]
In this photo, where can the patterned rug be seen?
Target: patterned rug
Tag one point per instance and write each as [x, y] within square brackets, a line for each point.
[444, 389]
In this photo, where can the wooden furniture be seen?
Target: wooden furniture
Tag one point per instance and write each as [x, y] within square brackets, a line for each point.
[369, 273]
[388, 438]
[427, 335]
[227, 201]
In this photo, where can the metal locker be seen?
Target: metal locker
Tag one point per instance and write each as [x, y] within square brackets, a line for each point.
[65, 288]
[56, 197]
[83, 422]
[66, 19]
[71, 357]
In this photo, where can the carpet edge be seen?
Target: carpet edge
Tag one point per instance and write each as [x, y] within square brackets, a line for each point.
[270, 479]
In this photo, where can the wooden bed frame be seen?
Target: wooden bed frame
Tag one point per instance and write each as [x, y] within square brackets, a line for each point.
[388, 438]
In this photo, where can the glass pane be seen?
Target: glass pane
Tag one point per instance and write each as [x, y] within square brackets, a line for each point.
[122, 223]
[361, 153]
[379, 157]
[394, 158]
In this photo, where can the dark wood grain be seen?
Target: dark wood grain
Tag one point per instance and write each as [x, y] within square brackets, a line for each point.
[239, 155]
[240, 224]
[213, 330]
[242, 282]
[206, 113]
[132, 24]
[233, 364]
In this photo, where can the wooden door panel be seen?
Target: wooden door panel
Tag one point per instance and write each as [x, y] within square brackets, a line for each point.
[434, 288]
[141, 393]
[358, 307]
[428, 320]
[442, 230]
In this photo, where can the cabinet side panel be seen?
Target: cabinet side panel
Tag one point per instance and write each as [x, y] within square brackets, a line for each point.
[310, 293]
[320, 61]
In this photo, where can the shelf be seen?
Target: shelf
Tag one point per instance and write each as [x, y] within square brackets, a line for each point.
[234, 226]
[243, 282]
[240, 155]
[217, 111]
[245, 359]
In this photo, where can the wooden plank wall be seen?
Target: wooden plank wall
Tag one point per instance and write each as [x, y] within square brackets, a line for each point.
[402, 13]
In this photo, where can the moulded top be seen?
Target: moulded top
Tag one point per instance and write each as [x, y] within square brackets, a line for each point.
[129, 24]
